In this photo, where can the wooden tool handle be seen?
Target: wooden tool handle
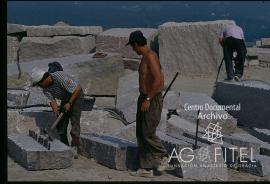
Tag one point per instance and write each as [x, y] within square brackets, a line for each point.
[57, 121]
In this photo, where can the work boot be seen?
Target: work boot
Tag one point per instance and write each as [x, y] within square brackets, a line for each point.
[75, 152]
[228, 80]
[164, 164]
[143, 173]
[237, 79]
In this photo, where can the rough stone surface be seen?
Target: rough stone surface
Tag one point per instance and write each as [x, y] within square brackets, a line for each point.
[266, 42]
[180, 125]
[127, 95]
[20, 124]
[33, 156]
[99, 121]
[15, 28]
[258, 165]
[115, 39]
[96, 75]
[190, 47]
[37, 97]
[205, 170]
[182, 100]
[110, 151]
[48, 31]
[264, 56]
[34, 48]
[19, 97]
[251, 95]
[132, 64]
[128, 132]
[12, 49]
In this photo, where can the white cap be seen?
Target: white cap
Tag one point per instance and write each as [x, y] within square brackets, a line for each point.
[37, 75]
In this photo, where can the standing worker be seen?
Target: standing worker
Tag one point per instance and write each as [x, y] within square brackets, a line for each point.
[232, 40]
[152, 154]
[59, 85]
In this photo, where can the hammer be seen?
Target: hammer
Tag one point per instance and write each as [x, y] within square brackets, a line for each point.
[50, 130]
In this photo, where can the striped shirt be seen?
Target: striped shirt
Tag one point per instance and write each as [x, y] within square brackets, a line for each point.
[232, 31]
[62, 88]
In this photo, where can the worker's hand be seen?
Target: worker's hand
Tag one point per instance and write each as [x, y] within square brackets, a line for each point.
[56, 113]
[145, 106]
[67, 107]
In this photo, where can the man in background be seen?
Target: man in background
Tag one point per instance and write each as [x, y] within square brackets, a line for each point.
[232, 40]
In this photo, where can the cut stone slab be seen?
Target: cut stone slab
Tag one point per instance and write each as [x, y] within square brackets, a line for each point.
[265, 42]
[203, 167]
[187, 105]
[49, 31]
[15, 28]
[258, 165]
[128, 132]
[110, 151]
[96, 75]
[19, 97]
[190, 47]
[33, 156]
[115, 39]
[37, 97]
[132, 64]
[12, 49]
[127, 95]
[249, 140]
[99, 121]
[20, 124]
[264, 56]
[251, 95]
[34, 48]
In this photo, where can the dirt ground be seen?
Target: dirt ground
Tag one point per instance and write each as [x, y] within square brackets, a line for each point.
[85, 169]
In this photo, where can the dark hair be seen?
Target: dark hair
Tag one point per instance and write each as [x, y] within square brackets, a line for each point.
[140, 42]
[45, 76]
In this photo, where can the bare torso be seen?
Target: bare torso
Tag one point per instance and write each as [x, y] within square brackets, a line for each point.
[145, 76]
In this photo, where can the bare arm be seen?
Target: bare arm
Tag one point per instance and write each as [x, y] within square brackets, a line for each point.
[154, 69]
[75, 94]
[221, 40]
[54, 106]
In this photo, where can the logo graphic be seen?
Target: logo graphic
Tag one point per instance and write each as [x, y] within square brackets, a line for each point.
[204, 154]
[213, 133]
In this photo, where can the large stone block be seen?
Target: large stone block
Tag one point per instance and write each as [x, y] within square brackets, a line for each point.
[34, 48]
[110, 151]
[12, 49]
[180, 125]
[96, 75]
[48, 31]
[127, 95]
[115, 39]
[15, 28]
[188, 104]
[252, 95]
[20, 124]
[205, 165]
[265, 42]
[258, 165]
[264, 56]
[37, 97]
[19, 97]
[33, 156]
[190, 48]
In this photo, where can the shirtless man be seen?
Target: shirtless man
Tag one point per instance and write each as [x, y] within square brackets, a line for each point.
[151, 82]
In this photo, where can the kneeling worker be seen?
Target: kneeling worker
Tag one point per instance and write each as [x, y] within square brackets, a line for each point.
[59, 85]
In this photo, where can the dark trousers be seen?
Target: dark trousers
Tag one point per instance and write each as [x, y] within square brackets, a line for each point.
[150, 147]
[74, 115]
[234, 45]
